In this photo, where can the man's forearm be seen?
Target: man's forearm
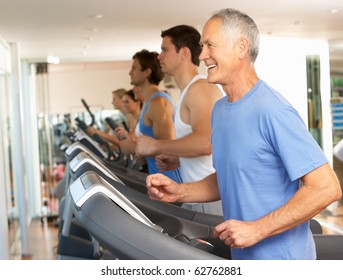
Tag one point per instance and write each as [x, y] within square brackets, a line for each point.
[205, 190]
[192, 145]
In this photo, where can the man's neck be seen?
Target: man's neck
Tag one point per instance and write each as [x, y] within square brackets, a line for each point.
[182, 78]
[137, 112]
[148, 90]
[237, 88]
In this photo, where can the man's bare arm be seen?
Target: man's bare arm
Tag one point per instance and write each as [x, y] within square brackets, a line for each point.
[163, 188]
[160, 113]
[199, 102]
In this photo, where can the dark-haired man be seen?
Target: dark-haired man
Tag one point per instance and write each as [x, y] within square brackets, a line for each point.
[192, 150]
[157, 116]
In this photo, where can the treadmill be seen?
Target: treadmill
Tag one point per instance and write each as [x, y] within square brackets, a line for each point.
[326, 248]
[128, 233]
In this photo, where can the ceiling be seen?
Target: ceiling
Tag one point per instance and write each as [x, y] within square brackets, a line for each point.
[94, 30]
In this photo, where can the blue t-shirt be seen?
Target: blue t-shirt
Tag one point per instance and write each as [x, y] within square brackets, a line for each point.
[261, 148]
[147, 130]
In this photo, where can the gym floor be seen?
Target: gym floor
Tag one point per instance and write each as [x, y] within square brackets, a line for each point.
[43, 240]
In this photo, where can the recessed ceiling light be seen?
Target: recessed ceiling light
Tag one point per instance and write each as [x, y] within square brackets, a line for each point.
[53, 59]
[96, 16]
[333, 11]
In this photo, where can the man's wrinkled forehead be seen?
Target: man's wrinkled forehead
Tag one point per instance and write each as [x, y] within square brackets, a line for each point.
[211, 28]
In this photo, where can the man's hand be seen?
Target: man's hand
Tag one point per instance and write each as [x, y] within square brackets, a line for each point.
[167, 162]
[162, 188]
[146, 146]
[238, 234]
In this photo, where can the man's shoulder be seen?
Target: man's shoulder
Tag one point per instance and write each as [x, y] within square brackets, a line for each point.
[160, 96]
[202, 87]
[160, 101]
[200, 82]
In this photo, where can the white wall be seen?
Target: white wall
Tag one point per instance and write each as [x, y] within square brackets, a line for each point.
[93, 81]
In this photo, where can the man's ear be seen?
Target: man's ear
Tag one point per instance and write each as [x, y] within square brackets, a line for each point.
[185, 53]
[147, 72]
[243, 47]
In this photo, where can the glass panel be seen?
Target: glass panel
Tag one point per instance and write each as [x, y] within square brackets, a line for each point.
[314, 97]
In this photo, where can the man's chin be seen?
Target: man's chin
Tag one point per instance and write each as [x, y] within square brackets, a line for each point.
[211, 79]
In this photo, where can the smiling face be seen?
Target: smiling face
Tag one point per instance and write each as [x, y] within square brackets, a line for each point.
[129, 104]
[219, 55]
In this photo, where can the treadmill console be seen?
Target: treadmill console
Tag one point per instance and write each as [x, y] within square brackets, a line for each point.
[90, 184]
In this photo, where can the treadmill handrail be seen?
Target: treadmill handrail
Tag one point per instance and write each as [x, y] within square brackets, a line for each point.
[81, 193]
[82, 158]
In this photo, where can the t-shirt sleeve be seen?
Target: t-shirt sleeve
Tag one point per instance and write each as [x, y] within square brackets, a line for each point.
[292, 141]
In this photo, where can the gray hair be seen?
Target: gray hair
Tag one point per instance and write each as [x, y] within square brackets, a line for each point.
[236, 25]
